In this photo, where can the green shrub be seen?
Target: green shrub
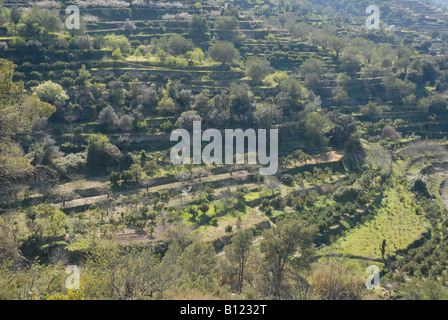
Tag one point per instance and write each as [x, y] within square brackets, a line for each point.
[114, 178]
[349, 193]
[166, 126]
[101, 153]
[287, 179]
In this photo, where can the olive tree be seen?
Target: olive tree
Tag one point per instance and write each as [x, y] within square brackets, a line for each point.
[223, 52]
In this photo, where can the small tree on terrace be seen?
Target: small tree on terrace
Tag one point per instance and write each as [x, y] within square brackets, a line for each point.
[45, 151]
[198, 27]
[100, 152]
[371, 110]
[257, 69]
[114, 178]
[223, 52]
[107, 118]
[226, 27]
[389, 132]
[117, 55]
[51, 92]
[337, 44]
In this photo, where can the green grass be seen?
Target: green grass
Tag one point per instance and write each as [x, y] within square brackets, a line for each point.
[251, 196]
[356, 264]
[396, 221]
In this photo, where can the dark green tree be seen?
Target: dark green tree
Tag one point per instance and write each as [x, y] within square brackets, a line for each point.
[238, 253]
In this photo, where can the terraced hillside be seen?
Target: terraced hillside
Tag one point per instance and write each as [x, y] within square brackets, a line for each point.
[87, 178]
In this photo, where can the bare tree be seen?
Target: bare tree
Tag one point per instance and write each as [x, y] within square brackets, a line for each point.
[59, 256]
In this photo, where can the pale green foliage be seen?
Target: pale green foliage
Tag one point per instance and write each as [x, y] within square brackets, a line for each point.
[198, 260]
[176, 62]
[42, 18]
[118, 42]
[166, 105]
[371, 110]
[197, 56]
[257, 69]
[12, 161]
[51, 92]
[45, 151]
[117, 55]
[266, 115]
[19, 113]
[317, 125]
[112, 272]
[84, 74]
[275, 78]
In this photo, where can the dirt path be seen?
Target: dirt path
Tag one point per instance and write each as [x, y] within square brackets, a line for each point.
[332, 156]
[90, 200]
[102, 182]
